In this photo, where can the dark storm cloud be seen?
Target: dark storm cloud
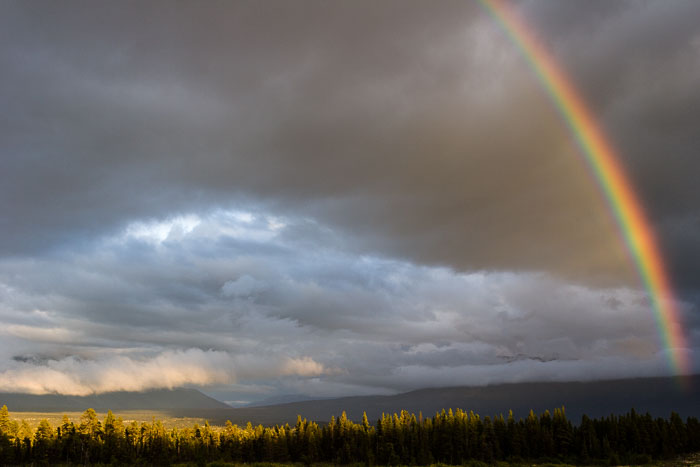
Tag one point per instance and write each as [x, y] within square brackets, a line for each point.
[639, 72]
[254, 183]
[381, 120]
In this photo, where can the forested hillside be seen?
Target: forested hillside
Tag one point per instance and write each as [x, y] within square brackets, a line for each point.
[160, 399]
[658, 396]
[447, 437]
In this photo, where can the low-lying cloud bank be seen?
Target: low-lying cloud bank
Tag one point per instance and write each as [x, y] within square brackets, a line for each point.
[169, 369]
[246, 300]
[78, 377]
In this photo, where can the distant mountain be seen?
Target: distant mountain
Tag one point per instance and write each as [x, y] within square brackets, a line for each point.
[163, 399]
[283, 399]
[658, 396]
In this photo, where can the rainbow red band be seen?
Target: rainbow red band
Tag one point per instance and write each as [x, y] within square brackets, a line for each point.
[610, 176]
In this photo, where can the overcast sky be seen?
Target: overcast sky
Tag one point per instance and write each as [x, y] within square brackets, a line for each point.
[334, 198]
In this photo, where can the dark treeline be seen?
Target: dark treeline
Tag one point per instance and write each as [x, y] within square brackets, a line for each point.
[448, 437]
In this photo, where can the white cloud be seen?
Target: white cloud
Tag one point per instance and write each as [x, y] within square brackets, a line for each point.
[304, 366]
[159, 231]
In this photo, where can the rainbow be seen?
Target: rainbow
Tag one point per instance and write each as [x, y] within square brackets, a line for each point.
[610, 176]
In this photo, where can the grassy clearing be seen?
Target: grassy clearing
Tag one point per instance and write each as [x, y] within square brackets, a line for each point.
[55, 418]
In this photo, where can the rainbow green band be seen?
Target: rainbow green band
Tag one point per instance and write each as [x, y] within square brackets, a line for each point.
[610, 176]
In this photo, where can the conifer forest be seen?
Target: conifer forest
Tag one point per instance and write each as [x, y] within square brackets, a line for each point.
[449, 437]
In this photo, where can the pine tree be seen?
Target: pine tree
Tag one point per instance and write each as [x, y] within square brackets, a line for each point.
[4, 421]
[43, 441]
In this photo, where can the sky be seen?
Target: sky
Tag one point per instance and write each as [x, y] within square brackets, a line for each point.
[335, 198]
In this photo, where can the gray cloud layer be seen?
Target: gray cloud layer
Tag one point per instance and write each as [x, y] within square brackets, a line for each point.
[380, 192]
[268, 309]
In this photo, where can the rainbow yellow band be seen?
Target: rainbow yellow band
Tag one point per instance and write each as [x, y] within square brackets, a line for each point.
[610, 176]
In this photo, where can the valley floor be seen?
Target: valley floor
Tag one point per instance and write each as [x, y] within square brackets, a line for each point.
[128, 416]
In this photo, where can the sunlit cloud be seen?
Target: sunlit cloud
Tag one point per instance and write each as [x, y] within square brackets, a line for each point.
[169, 369]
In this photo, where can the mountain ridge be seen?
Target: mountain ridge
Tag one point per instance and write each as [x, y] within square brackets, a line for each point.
[158, 399]
[658, 396]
